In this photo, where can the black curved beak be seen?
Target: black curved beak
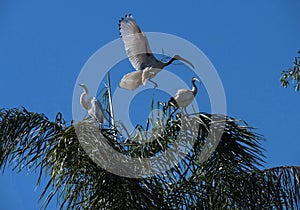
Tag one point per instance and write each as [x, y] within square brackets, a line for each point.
[185, 61]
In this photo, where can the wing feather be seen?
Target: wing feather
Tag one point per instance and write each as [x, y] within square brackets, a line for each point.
[96, 110]
[136, 44]
[184, 97]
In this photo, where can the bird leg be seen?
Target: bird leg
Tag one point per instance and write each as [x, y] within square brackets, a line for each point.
[184, 112]
[155, 84]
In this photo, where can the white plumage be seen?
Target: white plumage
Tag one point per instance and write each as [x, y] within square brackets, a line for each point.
[132, 80]
[184, 97]
[140, 55]
[92, 105]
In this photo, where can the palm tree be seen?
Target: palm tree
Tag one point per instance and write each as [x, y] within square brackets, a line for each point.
[292, 75]
[233, 177]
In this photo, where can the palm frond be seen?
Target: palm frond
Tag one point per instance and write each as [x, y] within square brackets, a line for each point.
[30, 140]
[229, 178]
[292, 75]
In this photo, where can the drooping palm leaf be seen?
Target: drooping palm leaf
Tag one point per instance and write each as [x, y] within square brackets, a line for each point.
[229, 178]
[30, 140]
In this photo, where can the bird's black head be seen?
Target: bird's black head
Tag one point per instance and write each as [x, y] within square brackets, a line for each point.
[195, 79]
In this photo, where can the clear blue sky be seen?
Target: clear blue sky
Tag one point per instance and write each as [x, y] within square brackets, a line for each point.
[43, 46]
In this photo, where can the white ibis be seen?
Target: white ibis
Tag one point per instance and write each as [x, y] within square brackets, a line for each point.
[92, 105]
[184, 97]
[140, 55]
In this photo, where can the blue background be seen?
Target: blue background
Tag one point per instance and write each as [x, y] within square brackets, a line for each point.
[43, 46]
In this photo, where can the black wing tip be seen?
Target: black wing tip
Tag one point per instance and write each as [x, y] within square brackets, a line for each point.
[126, 16]
[120, 21]
[129, 15]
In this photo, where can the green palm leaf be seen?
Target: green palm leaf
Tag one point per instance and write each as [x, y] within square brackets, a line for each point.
[230, 178]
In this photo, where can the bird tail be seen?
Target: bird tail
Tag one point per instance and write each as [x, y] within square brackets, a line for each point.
[172, 102]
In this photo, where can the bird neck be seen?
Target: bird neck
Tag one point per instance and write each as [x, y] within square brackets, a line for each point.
[83, 101]
[171, 61]
[161, 64]
[194, 89]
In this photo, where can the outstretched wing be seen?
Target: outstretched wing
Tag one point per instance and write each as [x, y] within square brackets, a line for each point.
[136, 44]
